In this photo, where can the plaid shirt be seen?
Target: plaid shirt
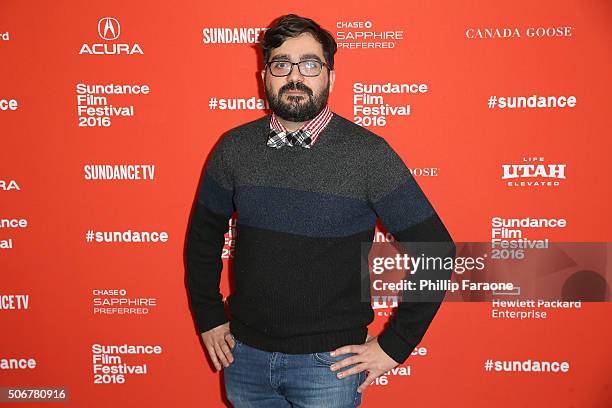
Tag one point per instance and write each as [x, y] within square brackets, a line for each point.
[306, 136]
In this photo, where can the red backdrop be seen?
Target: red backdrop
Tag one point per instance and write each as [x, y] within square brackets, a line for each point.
[456, 139]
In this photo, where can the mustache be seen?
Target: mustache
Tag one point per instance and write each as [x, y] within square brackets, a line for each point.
[292, 86]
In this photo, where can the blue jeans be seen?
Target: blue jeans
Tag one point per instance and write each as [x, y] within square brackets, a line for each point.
[259, 378]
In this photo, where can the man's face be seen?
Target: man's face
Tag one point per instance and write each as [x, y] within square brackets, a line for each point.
[297, 98]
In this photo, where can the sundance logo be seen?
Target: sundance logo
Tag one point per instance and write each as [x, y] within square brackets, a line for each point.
[232, 35]
[109, 29]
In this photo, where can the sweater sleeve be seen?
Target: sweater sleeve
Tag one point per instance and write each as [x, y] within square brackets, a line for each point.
[209, 222]
[408, 215]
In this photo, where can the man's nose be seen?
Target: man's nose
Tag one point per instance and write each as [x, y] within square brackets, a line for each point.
[295, 75]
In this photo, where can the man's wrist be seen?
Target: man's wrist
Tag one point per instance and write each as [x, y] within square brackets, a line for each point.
[394, 346]
[211, 318]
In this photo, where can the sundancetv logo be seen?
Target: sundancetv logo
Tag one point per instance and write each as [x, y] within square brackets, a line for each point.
[109, 30]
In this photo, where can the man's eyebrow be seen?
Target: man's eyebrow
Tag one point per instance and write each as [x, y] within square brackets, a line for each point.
[302, 57]
[310, 56]
[279, 56]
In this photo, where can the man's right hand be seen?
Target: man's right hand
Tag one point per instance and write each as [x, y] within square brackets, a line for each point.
[218, 342]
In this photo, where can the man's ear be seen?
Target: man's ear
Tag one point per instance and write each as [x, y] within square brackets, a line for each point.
[263, 76]
[332, 79]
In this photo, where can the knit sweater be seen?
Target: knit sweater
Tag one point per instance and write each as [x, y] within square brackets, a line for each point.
[302, 216]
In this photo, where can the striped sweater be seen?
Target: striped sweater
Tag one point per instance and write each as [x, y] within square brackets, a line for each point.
[302, 216]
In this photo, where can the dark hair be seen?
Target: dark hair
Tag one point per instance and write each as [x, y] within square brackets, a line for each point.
[290, 26]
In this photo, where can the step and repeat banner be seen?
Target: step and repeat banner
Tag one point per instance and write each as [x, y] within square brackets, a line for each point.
[109, 110]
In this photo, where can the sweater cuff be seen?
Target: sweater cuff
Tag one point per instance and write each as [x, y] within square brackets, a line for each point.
[393, 345]
[210, 318]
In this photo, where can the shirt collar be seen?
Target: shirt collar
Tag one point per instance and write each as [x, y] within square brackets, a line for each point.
[314, 126]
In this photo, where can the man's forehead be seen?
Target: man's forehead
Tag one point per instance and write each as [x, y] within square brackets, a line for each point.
[303, 46]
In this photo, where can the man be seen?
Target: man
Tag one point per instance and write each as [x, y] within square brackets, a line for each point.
[308, 186]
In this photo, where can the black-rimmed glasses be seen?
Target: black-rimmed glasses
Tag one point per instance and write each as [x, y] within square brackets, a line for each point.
[308, 68]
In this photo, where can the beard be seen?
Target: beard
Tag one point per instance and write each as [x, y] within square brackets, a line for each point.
[298, 108]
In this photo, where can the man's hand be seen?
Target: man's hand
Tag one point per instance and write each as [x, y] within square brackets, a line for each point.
[218, 342]
[370, 355]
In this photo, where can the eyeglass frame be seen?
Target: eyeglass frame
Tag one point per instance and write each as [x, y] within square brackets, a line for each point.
[323, 64]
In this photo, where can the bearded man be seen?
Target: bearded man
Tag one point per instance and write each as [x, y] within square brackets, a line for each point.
[308, 186]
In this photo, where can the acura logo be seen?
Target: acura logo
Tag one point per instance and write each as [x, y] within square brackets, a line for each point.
[109, 28]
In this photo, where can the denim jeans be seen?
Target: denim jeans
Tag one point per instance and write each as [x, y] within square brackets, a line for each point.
[258, 378]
